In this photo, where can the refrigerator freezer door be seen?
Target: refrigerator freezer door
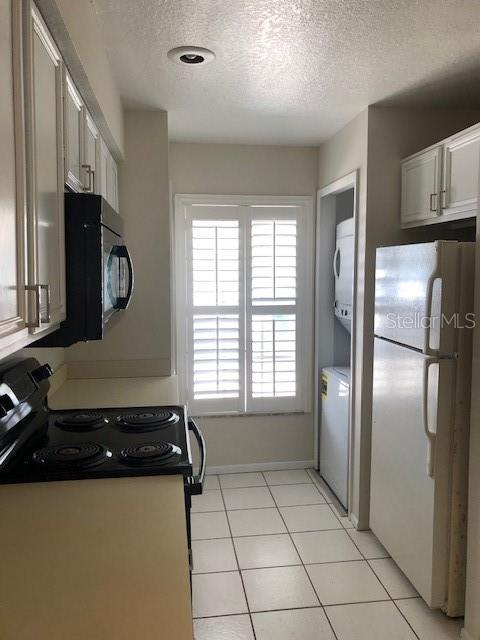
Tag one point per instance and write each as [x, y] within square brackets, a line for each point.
[411, 464]
[415, 286]
[334, 434]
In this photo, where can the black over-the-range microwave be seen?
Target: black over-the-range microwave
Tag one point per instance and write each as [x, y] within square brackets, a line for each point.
[99, 271]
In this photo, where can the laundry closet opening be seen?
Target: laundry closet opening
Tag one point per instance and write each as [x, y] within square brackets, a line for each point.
[334, 293]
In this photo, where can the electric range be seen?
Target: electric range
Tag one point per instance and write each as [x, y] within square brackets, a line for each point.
[107, 442]
[38, 444]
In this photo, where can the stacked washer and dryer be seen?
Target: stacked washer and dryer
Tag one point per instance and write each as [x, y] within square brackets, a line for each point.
[335, 389]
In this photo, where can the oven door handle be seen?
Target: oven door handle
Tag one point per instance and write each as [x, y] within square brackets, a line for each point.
[195, 483]
[121, 251]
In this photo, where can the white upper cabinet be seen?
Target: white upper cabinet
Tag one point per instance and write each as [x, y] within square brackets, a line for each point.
[442, 182]
[421, 179]
[108, 180]
[44, 121]
[461, 164]
[89, 165]
[13, 318]
[112, 182]
[103, 169]
[91, 160]
[74, 125]
[48, 139]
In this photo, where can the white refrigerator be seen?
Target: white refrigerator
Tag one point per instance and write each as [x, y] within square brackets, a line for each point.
[420, 414]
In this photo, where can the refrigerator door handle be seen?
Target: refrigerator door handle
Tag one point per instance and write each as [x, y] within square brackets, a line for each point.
[431, 435]
[429, 303]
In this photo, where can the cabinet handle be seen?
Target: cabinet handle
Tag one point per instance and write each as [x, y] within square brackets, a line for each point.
[432, 207]
[36, 290]
[89, 172]
[443, 202]
[46, 288]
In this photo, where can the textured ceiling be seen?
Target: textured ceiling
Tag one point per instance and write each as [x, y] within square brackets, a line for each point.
[290, 71]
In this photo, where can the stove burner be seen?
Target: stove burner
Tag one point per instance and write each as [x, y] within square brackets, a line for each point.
[147, 421]
[85, 454]
[81, 422]
[149, 452]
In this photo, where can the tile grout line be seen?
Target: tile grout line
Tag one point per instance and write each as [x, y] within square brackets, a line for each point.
[325, 490]
[365, 559]
[277, 508]
[383, 586]
[390, 599]
[238, 564]
[229, 615]
[404, 617]
[309, 564]
[370, 560]
[278, 533]
[303, 565]
[282, 506]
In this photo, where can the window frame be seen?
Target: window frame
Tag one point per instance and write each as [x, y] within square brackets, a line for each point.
[301, 403]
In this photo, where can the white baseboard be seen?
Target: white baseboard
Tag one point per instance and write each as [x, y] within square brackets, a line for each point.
[464, 635]
[261, 466]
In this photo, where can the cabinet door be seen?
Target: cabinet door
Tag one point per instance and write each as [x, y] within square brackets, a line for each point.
[46, 176]
[460, 174]
[112, 182]
[421, 177]
[74, 116]
[12, 202]
[91, 156]
[103, 169]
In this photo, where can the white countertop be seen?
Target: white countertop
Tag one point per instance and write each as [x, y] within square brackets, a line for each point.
[93, 393]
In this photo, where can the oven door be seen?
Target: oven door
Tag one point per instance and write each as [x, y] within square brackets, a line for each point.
[118, 275]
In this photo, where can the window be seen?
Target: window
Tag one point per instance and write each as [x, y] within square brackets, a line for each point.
[244, 302]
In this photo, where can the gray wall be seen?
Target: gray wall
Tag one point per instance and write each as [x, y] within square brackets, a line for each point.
[374, 143]
[249, 170]
[140, 344]
[345, 152]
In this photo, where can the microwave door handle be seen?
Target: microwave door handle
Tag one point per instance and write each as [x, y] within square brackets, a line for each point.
[121, 251]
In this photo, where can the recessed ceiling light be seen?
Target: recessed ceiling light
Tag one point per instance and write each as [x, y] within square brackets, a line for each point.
[191, 55]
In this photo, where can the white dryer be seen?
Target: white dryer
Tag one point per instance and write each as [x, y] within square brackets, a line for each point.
[343, 272]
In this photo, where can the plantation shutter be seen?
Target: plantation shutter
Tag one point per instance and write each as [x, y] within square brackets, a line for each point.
[215, 318]
[246, 338]
[272, 336]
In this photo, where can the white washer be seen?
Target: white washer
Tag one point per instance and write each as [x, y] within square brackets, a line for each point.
[343, 271]
[334, 433]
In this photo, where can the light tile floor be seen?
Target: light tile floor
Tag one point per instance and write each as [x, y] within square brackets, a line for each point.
[274, 559]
